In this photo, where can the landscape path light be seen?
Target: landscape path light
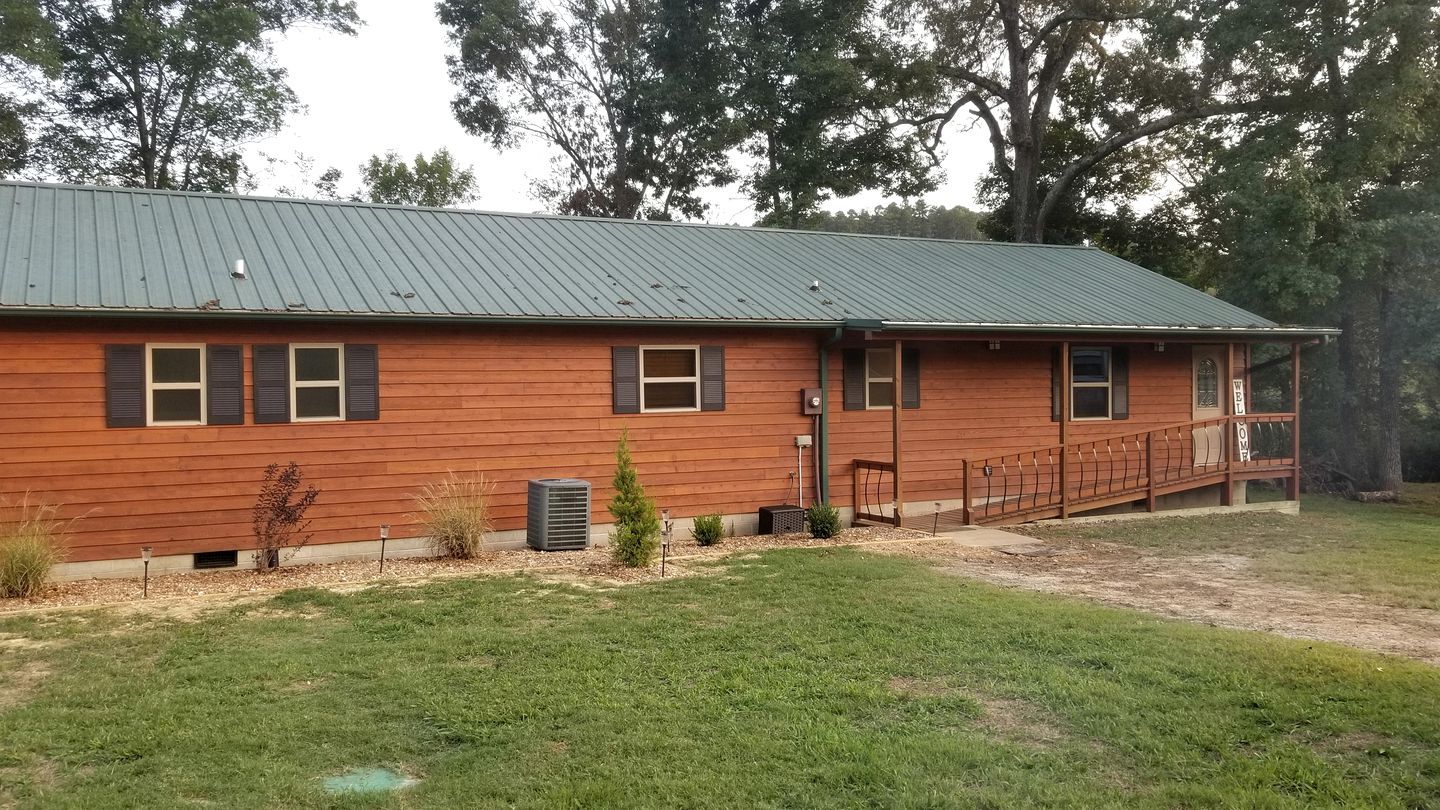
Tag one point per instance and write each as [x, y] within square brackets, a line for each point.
[145, 581]
[664, 538]
[384, 535]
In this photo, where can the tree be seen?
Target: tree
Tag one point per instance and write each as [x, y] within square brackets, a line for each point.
[162, 93]
[1118, 72]
[27, 47]
[1332, 213]
[636, 537]
[590, 78]
[902, 219]
[809, 84]
[435, 182]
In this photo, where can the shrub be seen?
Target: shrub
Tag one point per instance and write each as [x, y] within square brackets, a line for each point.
[636, 537]
[278, 519]
[456, 512]
[824, 520]
[29, 548]
[708, 530]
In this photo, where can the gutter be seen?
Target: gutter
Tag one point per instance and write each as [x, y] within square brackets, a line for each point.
[1055, 328]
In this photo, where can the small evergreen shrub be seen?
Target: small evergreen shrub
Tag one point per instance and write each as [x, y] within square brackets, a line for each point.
[456, 512]
[278, 517]
[708, 530]
[824, 520]
[636, 537]
[29, 548]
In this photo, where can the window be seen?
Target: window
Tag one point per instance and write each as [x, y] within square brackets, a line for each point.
[317, 382]
[670, 378]
[175, 384]
[1207, 384]
[1090, 383]
[879, 378]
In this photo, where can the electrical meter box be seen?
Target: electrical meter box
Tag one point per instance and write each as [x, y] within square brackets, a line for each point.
[810, 400]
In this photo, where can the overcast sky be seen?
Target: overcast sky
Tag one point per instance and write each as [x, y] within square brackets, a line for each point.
[387, 89]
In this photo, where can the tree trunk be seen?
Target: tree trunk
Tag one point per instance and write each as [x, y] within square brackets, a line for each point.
[1389, 470]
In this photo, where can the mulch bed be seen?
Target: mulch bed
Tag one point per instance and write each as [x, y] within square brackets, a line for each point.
[593, 563]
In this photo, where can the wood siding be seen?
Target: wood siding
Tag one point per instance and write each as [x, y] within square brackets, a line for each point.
[513, 404]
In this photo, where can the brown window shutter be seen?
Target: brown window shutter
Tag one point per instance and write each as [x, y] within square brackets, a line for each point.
[362, 381]
[224, 385]
[625, 378]
[712, 378]
[854, 382]
[1120, 383]
[1057, 384]
[125, 385]
[270, 367]
[909, 378]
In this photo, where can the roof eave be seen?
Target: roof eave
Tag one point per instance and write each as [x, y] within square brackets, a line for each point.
[1157, 330]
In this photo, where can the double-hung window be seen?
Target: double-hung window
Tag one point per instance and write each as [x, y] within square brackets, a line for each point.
[879, 378]
[669, 378]
[317, 381]
[1090, 381]
[175, 384]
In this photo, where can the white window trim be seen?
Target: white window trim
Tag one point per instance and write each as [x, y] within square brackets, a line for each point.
[296, 384]
[1109, 381]
[644, 379]
[151, 386]
[871, 379]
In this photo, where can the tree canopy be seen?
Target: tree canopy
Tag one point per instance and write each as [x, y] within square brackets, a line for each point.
[435, 181]
[163, 93]
[902, 219]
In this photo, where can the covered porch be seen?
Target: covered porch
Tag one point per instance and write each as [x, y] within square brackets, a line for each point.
[1091, 464]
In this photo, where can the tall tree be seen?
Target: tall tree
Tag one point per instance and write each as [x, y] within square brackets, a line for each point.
[589, 78]
[435, 181]
[27, 47]
[1333, 212]
[1122, 72]
[812, 82]
[163, 93]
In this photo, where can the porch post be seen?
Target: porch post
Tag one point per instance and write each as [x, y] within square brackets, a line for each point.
[1065, 399]
[896, 407]
[1292, 487]
[1227, 407]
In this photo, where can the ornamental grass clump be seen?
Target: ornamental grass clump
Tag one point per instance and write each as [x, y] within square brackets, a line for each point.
[30, 547]
[456, 512]
[709, 529]
[636, 537]
[824, 521]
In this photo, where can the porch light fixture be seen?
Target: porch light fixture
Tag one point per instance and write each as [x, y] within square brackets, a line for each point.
[994, 345]
[145, 581]
[1160, 346]
[384, 535]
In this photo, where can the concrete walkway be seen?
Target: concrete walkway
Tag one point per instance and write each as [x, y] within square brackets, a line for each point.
[982, 537]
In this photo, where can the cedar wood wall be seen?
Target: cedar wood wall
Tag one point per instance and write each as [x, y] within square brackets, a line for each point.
[513, 403]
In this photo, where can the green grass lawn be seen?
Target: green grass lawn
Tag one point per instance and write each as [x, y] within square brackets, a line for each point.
[822, 678]
[1387, 552]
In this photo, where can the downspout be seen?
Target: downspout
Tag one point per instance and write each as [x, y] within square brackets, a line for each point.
[822, 438]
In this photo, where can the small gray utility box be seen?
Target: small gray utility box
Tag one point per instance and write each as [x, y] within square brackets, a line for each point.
[558, 517]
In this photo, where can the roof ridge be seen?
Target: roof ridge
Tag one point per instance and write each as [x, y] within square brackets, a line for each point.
[532, 215]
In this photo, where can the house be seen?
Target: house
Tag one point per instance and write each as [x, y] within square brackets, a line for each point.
[159, 349]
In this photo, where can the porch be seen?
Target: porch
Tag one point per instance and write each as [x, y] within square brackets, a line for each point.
[1139, 469]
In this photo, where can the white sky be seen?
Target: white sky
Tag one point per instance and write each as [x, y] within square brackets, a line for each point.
[387, 88]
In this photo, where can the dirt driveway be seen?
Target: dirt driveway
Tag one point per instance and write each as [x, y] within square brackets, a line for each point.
[1216, 589]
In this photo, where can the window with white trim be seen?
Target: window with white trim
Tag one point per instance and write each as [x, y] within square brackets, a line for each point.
[669, 378]
[317, 381]
[879, 378]
[174, 384]
[1090, 383]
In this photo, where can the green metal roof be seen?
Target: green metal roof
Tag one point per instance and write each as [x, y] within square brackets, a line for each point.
[113, 250]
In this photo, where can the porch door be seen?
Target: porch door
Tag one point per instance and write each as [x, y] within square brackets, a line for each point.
[1207, 402]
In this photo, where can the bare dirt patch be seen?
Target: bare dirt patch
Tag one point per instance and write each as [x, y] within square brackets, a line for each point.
[918, 687]
[1017, 721]
[19, 684]
[1216, 589]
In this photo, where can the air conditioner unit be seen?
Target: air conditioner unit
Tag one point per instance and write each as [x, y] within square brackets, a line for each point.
[559, 514]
